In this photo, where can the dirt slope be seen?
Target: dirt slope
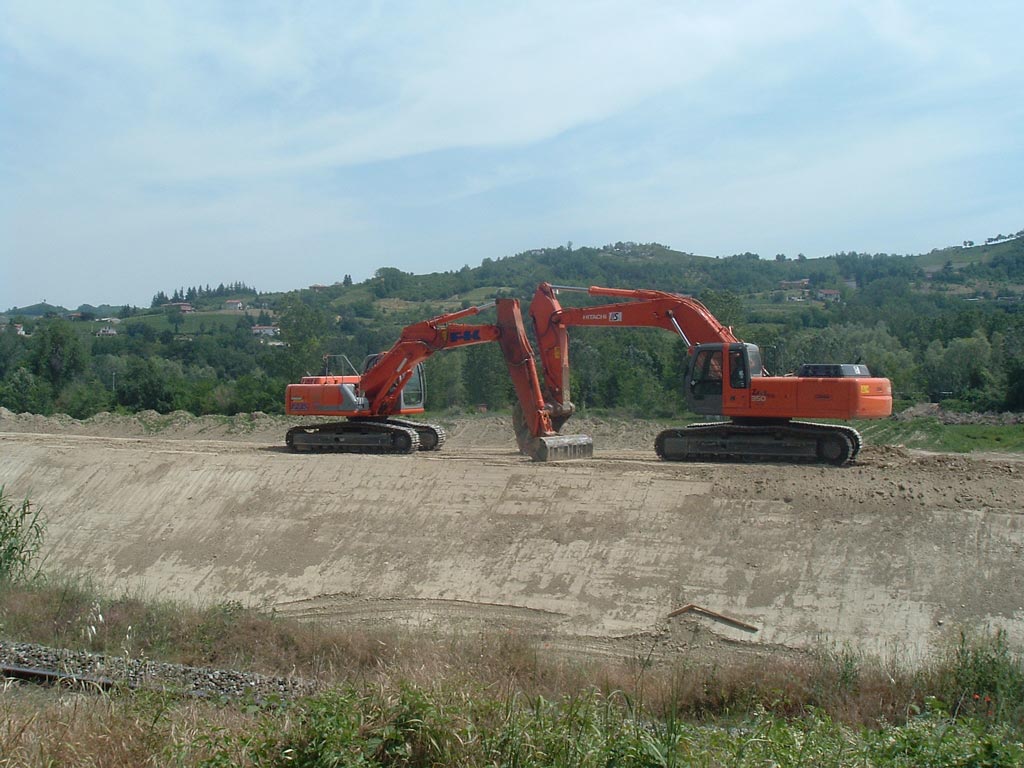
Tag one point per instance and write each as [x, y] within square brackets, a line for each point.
[892, 554]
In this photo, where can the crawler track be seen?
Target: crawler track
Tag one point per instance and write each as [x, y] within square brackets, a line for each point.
[354, 436]
[791, 442]
[378, 436]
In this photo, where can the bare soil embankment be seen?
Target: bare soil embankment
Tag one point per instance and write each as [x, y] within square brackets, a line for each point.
[894, 554]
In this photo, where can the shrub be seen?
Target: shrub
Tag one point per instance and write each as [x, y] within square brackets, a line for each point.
[21, 537]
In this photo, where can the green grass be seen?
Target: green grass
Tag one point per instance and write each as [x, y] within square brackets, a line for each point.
[932, 435]
[394, 699]
[412, 726]
[960, 257]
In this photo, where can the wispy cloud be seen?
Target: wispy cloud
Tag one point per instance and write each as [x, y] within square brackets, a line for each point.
[432, 135]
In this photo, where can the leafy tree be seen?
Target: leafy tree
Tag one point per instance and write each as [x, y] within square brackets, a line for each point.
[387, 281]
[258, 392]
[24, 392]
[725, 305]
[304, 327]
[1015, 388]
[485, 378]
[14, 349]
[57, 353]
[961, 369]
[146, 386]
[589, 377]
[82, 399]
[444, 373]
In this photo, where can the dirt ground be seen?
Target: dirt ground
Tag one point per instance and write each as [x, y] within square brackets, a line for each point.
[894, 555]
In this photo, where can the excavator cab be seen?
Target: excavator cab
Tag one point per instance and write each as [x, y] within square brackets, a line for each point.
[717, 368]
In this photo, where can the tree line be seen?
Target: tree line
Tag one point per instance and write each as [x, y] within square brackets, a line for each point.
[193, 294]
[952, 333]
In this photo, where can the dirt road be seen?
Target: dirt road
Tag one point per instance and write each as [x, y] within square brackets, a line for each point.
[893, 554]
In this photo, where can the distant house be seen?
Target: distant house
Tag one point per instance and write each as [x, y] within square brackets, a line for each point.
[788, 285]
[828, 294]
[19, 329]
[106, 331]
[234, 304]
[183, 306]
[266, 330]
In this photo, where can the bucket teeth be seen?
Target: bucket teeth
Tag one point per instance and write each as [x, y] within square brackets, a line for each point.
[561, 448]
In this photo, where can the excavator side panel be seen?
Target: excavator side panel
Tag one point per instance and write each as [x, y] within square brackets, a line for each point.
[793, 397]
[325, 396]
[337, 396]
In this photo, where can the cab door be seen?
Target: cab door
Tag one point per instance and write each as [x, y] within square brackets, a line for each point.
[736, 396]
[704, 380]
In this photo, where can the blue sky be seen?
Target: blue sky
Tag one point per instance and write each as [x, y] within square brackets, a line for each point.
[149, 145]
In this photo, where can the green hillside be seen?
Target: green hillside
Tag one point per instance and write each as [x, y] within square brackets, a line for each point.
[946, 325]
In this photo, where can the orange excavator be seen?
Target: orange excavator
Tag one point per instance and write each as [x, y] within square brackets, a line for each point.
[725, 377]
[392, 386]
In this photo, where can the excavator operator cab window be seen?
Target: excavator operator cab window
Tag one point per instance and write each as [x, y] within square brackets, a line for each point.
[738, 378]
[415, 389]
[754, 365]
[707, 373]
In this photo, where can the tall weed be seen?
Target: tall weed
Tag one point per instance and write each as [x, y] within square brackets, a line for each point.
[21, 538]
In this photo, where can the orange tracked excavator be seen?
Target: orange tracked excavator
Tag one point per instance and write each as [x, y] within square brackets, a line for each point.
[725, 377]
[392, 385]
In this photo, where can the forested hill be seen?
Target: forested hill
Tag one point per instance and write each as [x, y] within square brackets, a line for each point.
[944, 325]
[986, 270]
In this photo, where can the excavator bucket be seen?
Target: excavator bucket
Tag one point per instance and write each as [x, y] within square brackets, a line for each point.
[535, 431]
[559, 448]
[551, 447]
